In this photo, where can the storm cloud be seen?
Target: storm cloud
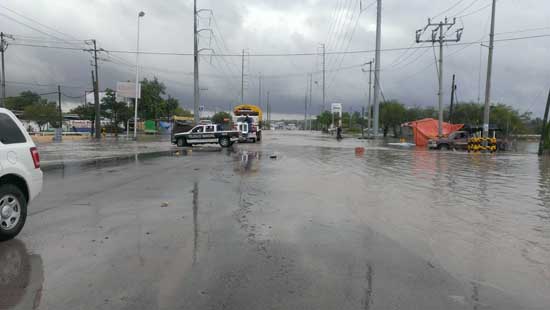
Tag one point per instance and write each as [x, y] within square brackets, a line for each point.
[265, 27]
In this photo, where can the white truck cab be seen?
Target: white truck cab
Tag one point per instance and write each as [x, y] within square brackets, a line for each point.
[20, 174]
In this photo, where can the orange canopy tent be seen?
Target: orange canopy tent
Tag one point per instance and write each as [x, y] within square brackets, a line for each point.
[426, 129]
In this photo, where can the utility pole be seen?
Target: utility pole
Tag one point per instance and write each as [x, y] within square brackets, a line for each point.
[324, 76]
[305, 111]
[3, 48]
[369, 108]
[242, 79]
[441, 39]
[93, 118]
[60, 137]
[268, 112]
[310, 93]
[260, 90]
[96, 96]
[544, 132]
[196, 65]
[377, 66]
[453, 90]
[487, 109]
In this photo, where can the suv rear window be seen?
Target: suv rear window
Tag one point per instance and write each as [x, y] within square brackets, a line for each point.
[9, 131]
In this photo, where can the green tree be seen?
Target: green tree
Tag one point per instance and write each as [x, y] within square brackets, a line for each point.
[507, 119]
[182, 112]
[116, 111]
[324, 120]
[468, 113]
[392, 115]
[151, 103]
[25, 99]
[42, 114]
[84, 111]
[170, 106]
[220, 118]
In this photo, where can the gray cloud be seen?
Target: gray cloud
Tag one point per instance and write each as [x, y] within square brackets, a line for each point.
[521, 67]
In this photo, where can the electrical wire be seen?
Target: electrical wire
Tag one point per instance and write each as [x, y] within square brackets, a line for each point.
[448, 9]
[289, 54]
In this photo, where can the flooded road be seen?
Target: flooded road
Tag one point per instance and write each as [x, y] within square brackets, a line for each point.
[297, 222]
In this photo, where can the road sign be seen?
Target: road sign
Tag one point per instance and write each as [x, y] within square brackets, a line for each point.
[127, 90]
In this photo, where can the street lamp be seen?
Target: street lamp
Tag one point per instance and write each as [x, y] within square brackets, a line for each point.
[140, 14]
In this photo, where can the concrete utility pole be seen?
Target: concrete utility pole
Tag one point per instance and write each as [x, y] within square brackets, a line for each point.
[196, 65]
[544, 132]
[369, 108]
[268, 112]
[3, 48]
[487, 109]
[324, 76]
[441, 39]
[242, 79]
[453, 90]
[305, 111]
[60, 137]
[93, 91]
[377, 66]
[96, 96]
[260, 90]
[310, 94]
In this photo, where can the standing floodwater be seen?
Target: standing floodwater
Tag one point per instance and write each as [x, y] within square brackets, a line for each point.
[298, 221]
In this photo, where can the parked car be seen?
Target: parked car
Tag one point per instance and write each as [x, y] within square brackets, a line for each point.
[205, 134]
[457, 140]
[20, 174]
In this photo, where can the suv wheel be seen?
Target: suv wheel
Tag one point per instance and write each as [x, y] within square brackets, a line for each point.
[13, 211]
[182, 142]
[225, 142]
[444, 147]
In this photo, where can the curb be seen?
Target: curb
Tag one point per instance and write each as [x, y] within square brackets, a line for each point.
[62, 164]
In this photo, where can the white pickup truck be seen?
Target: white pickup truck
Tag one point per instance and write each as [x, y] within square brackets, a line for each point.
[206, 134]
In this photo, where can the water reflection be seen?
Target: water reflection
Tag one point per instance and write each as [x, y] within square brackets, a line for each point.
[247, 162]
[368, 291]
[21, 277]
[195, 220]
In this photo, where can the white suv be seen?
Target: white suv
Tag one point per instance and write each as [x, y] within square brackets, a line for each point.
[20, 174]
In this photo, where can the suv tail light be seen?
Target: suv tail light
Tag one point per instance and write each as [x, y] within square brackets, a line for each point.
[35, 157]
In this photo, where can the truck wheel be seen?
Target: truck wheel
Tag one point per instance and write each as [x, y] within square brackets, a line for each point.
[225, 142]
[182, 142]
[444, 147]
[13, 211]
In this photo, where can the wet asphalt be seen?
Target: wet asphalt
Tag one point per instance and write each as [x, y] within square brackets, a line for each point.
[295, 222]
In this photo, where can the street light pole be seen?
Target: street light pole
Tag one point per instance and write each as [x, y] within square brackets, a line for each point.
[140, 14]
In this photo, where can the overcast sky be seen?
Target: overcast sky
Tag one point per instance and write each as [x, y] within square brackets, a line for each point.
[521, 68]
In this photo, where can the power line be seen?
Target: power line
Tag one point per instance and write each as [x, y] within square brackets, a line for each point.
[476, 11]
[286, 54]
[448, 9]
[42, 85]
[466, 8]
[35, 21]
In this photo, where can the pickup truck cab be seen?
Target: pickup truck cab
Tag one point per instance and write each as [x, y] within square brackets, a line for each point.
[206, 134]
[20, 174]
[457, 140]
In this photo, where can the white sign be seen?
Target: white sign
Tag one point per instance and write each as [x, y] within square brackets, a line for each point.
[127, 90]
[90, 97]
[336, 108]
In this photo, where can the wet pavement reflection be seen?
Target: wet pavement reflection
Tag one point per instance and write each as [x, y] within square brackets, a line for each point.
[299, 221]
[21, 277]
